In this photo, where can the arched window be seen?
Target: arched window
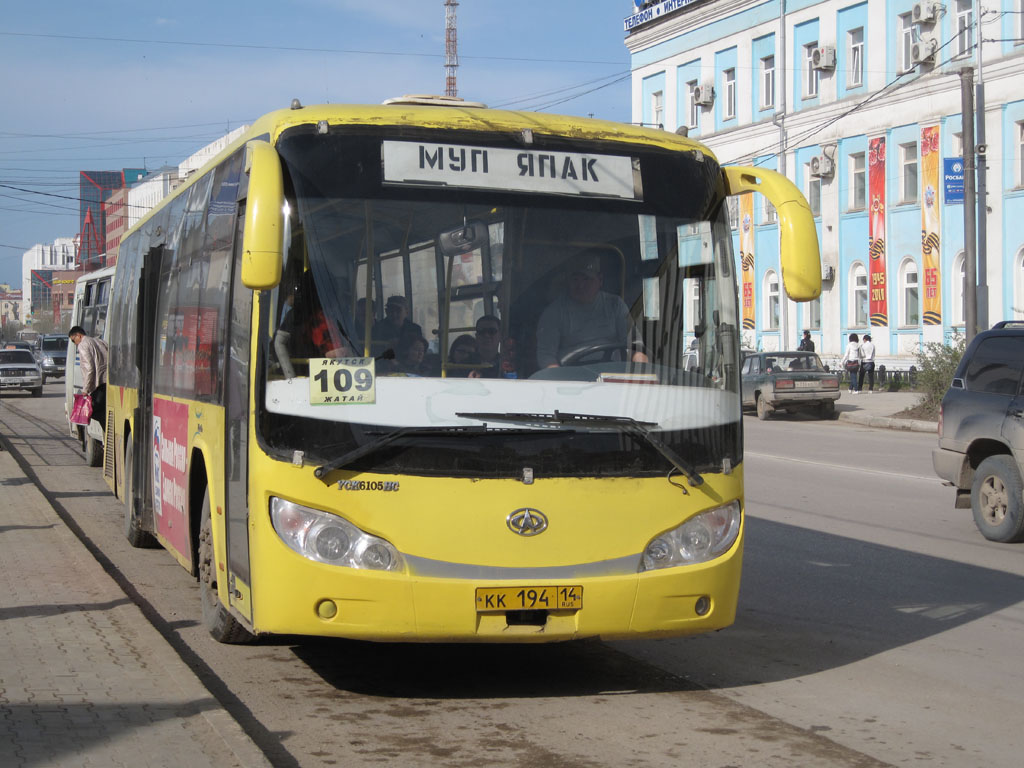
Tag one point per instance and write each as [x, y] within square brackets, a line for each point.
[957, 312]
[910, 294]
[858, 310]
[772, 304]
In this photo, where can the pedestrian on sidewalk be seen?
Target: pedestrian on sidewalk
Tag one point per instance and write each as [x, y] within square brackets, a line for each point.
[867, 364]
[851, 361]
[92, 359]
[806, 344]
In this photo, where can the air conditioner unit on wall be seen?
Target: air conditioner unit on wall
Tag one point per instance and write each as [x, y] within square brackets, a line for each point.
[824, 57]
[923, 51]
[704, 95]
[821, 165]
[926, 13]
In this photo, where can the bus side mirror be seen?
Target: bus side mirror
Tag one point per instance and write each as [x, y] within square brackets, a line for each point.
[798, 238]
[262, 244]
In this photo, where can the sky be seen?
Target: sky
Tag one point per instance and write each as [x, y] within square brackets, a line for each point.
[113, 84]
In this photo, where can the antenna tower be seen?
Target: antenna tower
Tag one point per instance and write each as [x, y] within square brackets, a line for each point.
[451, 48]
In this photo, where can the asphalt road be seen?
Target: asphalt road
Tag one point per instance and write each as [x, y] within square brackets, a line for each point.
[876, 627]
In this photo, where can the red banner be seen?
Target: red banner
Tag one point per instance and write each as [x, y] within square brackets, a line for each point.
[879, 297]
[930, 225]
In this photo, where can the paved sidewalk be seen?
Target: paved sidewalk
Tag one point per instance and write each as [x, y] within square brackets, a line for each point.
[85, 680]
[877, 408]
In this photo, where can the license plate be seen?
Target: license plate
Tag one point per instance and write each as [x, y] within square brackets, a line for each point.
[807, 384]
[529, 598]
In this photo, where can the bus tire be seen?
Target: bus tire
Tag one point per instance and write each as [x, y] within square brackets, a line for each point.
[222, 626]
[133, 530]
[93, 450]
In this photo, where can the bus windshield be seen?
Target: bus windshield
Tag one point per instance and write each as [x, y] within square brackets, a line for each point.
[481, 324]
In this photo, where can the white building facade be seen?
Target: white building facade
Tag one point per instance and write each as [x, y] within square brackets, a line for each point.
[54, 257]
[859, 104]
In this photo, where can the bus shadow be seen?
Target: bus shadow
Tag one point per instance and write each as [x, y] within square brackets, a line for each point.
[448, 671]
[809, 602]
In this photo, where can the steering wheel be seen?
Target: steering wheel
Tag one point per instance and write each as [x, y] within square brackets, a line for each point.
[607, 351]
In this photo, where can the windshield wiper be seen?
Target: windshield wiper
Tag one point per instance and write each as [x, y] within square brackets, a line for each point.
[376, 445]
[626, 424]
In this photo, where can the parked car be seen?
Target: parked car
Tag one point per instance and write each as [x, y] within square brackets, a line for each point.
[19, 369]
[981, 433]
[788, 381]
[53, 356]
[18, 345]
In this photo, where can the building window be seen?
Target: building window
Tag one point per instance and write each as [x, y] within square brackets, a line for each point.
[855, 71]
[858, 296]
[729, 87]
[693, 106]
[773, 302]
[964, 27]
[768, 82]
[957, 289]
[813, 187]
[812, 76]
[909, 290]
[906, 32]
[908, 173]
[658, 109]
[1020, 154]
[814, 315]
[1018, 287]
[958, 144]
[858, 182]
[768, 213]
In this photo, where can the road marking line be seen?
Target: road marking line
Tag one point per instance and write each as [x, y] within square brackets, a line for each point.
[846, 467]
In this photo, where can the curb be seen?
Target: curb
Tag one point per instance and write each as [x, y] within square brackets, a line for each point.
[887, 422]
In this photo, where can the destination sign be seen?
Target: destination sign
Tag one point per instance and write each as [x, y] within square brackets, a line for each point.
[512, 170]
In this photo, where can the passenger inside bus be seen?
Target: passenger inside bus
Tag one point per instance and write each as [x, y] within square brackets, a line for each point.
[461, 356]
[396, 321]
[488, 348]
[304, 330]
[586, 323]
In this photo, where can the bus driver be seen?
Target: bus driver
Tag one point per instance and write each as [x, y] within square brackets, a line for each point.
[585, 316]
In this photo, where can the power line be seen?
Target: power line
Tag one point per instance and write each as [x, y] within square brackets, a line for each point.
[296, 49]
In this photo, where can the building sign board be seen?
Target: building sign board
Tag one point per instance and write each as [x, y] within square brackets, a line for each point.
[653, 13]
[953, 179]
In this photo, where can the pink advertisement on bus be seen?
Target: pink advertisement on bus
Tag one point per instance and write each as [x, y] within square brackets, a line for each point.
[170, 489]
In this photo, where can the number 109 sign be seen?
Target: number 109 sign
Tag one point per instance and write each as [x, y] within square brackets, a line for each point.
[342, 381]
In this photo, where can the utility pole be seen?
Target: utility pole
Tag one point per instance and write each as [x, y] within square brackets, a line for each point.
[982, 167]
[970, 203]
[451, 48]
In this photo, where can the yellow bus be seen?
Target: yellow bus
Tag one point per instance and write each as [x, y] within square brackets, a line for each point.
[426, 371]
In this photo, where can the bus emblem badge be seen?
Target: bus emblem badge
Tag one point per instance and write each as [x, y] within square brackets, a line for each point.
[527, 522]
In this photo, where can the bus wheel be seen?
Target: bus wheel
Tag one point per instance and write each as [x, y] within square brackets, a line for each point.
[133, 530]
[93, 449]
[222, 626]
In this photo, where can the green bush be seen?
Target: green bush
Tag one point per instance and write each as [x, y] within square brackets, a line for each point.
[936, 365]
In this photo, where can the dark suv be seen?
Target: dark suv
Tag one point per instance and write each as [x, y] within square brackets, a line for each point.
[981, 432]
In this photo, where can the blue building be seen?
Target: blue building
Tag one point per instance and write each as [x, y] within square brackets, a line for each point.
[859, 104]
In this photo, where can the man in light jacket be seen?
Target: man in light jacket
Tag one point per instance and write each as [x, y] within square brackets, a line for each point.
[867, 363]
[92, 359]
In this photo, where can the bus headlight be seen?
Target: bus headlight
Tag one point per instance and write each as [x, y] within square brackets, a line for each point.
[701, 538]
[330, 539]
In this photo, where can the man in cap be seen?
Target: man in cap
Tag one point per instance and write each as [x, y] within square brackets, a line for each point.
[396, 322]
[585, 316]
